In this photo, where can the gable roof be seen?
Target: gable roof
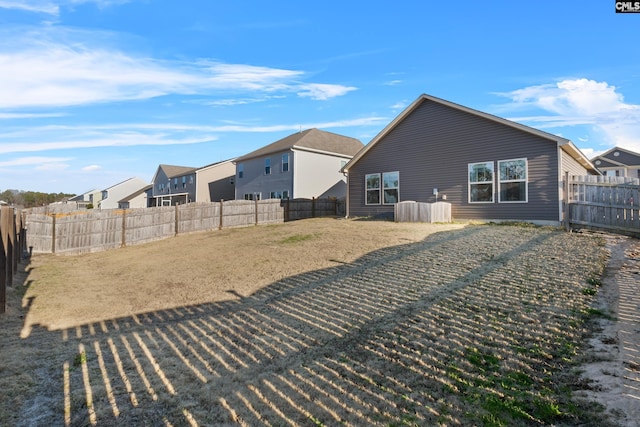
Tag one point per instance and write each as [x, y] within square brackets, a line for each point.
[563, 143]
[310, 139]
[221, 162]
[617, 156]
[125, 181]
[135, 194]
[172, 171]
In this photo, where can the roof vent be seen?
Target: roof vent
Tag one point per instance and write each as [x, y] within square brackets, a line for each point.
[616, 153]
[598, 162]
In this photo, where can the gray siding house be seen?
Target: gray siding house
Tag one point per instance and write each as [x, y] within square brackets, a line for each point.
[303, 165]
[487, 167]
[173, 185]
[618, 162]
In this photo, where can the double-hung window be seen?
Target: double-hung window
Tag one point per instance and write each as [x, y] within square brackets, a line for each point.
[391, 187]
[267, 166]
[481, 182]
[373, 188]
[512, 181]
[285, 162]
[240, 170]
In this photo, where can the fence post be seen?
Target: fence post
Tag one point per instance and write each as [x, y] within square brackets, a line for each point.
[286, 211]
[566, 215]
[176, 222]
[14, 241]
[23, 234]
[313, 207]
[220, 222]
[255, 208]
[3, 261]
[123, 243]
[53, 234]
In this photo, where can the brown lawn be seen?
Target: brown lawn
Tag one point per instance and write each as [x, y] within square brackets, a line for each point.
[314, 322]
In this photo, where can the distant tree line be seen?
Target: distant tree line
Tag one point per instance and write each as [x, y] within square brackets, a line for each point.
[29, 199]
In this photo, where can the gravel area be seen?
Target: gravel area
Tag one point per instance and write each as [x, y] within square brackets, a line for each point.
[319, 322]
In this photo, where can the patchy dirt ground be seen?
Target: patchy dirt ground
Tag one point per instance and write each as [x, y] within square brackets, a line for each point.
[612, 371]
[315, 322]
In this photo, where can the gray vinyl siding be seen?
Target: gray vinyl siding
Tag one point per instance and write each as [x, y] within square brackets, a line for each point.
[255, 180]
[432, 148]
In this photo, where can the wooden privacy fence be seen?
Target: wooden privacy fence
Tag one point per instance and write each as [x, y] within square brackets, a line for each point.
[604, 202]
[12, 245]
[96, 230]
[422, 212]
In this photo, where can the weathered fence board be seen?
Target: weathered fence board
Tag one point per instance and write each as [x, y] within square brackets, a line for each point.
[604, 202]
[96, 230]
[12, 246]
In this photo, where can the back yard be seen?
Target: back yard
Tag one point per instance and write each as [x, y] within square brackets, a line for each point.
[314, 322]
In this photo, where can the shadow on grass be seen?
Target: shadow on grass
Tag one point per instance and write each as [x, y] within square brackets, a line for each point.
[474, 326]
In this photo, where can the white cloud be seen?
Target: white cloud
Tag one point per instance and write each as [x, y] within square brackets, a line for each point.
[323, 92]
[91, 168]
[576, 102]
[399, 105]
[146, 134]
[53, 7]
[12, 116]
[36, 6]
[64, 68]
[30, 161]
[52, 166]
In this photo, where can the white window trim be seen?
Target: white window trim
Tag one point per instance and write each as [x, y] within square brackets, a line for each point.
[391, 188]
[493, 183]
[366, 190]
[283, 163]
[526, 181]
[267, 164]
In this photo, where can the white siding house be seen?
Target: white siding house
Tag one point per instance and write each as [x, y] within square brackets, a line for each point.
[112, 195]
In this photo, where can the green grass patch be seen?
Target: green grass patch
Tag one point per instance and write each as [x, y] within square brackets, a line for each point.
[297, 238]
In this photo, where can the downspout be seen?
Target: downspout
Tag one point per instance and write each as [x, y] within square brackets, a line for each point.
[561, 184]
[346, 201]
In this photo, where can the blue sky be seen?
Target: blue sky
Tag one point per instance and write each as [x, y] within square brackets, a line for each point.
[93, 92]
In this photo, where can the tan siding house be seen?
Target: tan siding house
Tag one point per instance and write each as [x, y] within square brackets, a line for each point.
[487, 167]
[216, 182]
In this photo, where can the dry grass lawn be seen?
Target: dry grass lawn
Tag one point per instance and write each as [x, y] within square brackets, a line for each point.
[314, 322]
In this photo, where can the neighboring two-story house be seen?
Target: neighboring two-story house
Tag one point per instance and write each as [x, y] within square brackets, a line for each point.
[172, 185]
[216, 182]
[303, 165]
[137, 199]
[618, 162]
[111, 196]
[88, 199]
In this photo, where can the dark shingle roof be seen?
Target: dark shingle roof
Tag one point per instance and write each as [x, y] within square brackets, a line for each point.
[618, 156]
[173, 171]
[313, 139]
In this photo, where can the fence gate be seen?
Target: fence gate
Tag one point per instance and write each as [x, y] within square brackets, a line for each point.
[606, 203]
